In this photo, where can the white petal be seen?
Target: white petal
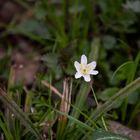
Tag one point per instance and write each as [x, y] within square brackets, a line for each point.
[87, 78]
[77, 65]
[77, 75]
[94, 72]
[92, 65]
[83, 59]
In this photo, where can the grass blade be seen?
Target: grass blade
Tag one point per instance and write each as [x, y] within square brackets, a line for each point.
[18, 113]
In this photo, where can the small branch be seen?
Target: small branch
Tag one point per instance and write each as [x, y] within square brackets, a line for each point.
[45, 83]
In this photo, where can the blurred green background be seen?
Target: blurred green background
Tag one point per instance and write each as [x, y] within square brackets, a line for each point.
[41, 39]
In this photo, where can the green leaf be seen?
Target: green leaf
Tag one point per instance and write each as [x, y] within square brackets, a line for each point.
[32, 27]
[109, 92]
[94, 52]
[80, 99]
[125, 71]
[52, 62]
[51, 59]
[109, 42]
[73, 119]
[133, 98]
[104, 135]
[5, 128]
[13, 107]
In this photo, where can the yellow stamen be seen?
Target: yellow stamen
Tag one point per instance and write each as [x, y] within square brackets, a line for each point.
[85, 69]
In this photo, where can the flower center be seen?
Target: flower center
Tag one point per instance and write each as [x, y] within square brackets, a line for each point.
[85, 69]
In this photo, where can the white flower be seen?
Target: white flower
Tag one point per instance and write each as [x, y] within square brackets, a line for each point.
[85, 69]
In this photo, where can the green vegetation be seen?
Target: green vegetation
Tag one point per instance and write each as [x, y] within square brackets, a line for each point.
[40, 99]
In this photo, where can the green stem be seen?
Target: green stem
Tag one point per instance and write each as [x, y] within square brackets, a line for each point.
[104, 124]
[97, 103]
[94, 96]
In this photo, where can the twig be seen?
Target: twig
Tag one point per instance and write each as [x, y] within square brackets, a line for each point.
[45, 83]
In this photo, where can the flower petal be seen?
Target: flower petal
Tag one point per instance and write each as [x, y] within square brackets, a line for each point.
[77, 65]
[83, 59]
[94, 72]
[77, 75]
[87, 78]
[92, 65]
